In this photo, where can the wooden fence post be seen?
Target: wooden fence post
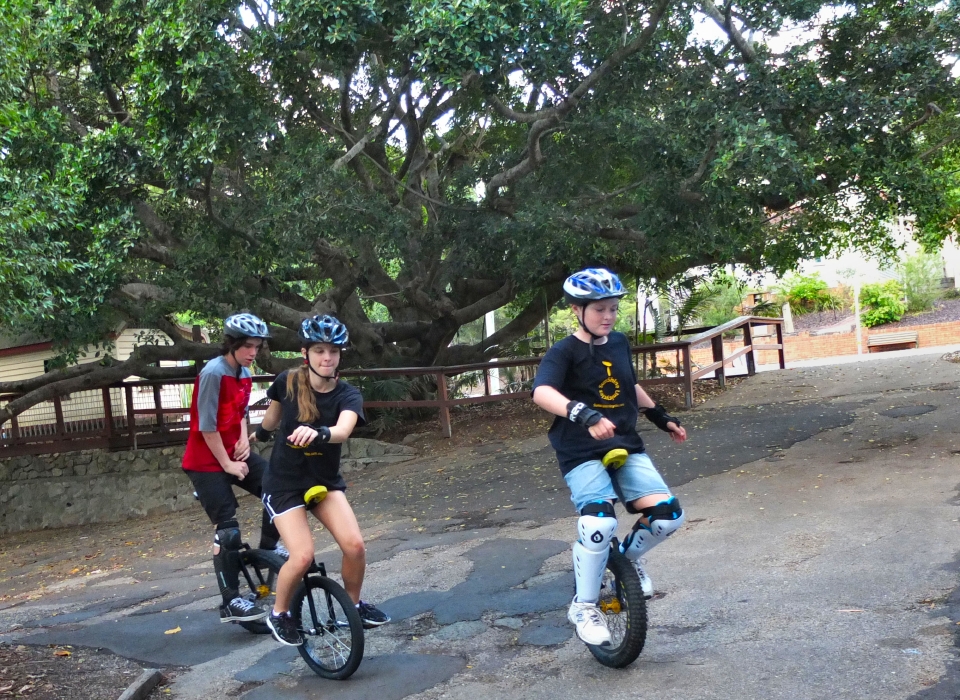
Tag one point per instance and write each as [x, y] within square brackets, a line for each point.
[58, 411]
[717, 343]
[445, 424]
[687, 377]
[751, 357]
[781, 351]
[131, 416]
[158, 405]
[107, 413]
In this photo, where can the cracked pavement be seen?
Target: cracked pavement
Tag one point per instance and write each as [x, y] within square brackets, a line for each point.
[820, 557]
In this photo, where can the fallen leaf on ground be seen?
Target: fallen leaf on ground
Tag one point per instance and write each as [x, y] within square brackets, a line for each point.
[174, 630]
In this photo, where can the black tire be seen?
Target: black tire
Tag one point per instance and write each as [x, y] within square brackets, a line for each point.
[258, 583]
[332, 643]
[622, 601]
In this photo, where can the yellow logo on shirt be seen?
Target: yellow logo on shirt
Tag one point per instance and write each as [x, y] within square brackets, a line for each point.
[609, 388]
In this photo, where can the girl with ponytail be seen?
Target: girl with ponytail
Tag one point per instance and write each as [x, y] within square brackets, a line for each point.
[316, 412]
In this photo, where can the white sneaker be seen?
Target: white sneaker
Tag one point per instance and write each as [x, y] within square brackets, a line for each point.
[646, 583]
[282, 551]
[590, 623]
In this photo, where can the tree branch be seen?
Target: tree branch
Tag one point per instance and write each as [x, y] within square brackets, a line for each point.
[104, 374]
[246, 235]
[725, 22]
[928, 112]
[544, 120]
[490, 302]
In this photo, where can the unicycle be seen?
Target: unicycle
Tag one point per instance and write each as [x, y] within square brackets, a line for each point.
[258, 582]
[330, 624]
[622, 602]
[328, 620]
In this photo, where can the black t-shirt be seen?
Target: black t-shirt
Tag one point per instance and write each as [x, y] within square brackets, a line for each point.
[299, 468]
[605, 382]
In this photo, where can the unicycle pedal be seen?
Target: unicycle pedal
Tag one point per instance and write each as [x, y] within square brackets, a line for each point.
[614, 459]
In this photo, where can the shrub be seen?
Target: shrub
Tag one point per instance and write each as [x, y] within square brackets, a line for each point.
[920, 275]
[721, 297]
[882, 303]
[808, 293]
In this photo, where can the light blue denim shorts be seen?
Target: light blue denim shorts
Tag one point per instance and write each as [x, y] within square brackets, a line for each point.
[591, 481]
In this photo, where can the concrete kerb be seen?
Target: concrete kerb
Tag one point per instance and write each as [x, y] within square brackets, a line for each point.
[141, 688]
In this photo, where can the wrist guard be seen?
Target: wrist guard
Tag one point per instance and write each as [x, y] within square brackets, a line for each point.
[659, 417]
[323, 434]
[263, 435]
[579, 412]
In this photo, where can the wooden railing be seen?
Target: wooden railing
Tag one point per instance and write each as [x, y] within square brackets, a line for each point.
[152, 414]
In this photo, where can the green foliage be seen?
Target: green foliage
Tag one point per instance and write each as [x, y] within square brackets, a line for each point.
[808, 293]
[724, 300]
[920, 276]
[881, 302]
[380, 160]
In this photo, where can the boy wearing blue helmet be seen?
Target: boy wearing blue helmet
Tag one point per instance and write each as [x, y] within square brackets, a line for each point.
[315, 412]
[588, 382]
[218, 456]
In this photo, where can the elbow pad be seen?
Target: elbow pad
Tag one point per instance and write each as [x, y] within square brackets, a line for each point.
[659, 417]
[579, 412]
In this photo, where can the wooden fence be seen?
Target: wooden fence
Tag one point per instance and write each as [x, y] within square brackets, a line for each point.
[140, 414]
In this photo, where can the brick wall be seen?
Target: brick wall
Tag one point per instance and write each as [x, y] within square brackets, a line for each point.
[803, 346]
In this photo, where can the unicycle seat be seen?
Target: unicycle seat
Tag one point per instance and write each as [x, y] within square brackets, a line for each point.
[314, 495]
[615, 458]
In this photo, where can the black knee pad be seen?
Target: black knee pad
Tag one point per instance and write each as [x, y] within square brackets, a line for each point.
[228, 535]
[601, 509]
[665, 510]
[226, 563]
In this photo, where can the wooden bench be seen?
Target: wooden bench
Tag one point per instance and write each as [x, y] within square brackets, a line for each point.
[901, 338]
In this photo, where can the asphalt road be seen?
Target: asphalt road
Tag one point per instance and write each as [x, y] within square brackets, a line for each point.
[819, 560]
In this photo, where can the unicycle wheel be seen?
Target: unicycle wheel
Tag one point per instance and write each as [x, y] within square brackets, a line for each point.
[331, 627]
[622, 602]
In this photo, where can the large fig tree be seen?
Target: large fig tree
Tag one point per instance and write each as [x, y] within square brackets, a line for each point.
[410, 166]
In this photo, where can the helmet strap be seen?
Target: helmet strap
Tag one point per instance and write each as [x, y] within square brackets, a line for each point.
[237, 363]
[593, 336]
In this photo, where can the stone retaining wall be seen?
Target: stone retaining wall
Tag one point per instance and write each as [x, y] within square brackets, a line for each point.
[93, 486]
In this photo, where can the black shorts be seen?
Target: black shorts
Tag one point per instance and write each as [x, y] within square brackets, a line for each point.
[280, 502]
[215, 492]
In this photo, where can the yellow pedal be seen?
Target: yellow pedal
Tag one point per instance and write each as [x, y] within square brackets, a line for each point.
[614, 459]
[610, 607]
[314, 495]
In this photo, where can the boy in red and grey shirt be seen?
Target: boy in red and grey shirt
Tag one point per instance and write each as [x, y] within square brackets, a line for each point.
[218, 456]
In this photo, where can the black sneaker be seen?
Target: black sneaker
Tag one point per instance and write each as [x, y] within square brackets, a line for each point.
[240, 610]
[371, 616]
[284, 629]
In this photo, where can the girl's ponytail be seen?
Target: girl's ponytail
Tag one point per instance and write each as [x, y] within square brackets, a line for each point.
[298, 386]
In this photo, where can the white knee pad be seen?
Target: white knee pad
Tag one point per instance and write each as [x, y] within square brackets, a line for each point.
[596, 528]
[665, 518]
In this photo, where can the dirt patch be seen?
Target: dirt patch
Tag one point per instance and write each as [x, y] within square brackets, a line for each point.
[65, 673]
[822, 319]
[516, 420]
[946, 310]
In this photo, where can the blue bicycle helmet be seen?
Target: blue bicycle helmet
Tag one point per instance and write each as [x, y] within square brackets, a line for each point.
[323, 329]
[245, 326]
[592, 284]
